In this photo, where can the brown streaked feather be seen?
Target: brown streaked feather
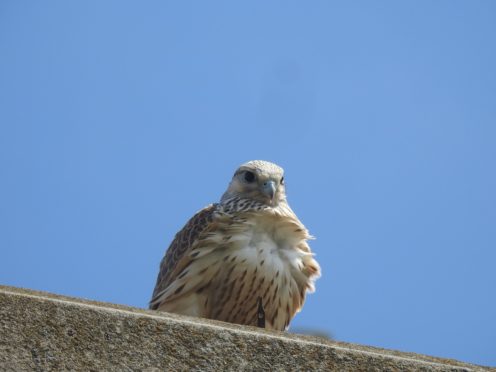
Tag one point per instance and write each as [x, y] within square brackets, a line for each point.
[232, 257]
[172, 264]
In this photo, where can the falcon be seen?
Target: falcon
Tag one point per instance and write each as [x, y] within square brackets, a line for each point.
[243, 260]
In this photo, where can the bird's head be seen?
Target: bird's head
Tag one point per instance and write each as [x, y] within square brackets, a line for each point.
[258, 180]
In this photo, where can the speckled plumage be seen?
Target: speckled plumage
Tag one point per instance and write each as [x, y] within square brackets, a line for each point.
[251, 245]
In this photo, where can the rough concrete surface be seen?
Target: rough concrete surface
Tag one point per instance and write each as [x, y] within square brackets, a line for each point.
[41, 331]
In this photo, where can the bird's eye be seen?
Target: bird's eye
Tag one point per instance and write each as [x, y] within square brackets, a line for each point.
[282, 180]
[249, 176]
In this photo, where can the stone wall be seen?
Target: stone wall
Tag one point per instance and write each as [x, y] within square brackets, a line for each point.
[41, 331]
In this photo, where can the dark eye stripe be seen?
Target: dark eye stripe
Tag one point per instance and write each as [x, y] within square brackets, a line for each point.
[282, 180]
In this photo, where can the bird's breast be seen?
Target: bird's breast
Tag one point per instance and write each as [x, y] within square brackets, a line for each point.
[262, 261]
[269, 243]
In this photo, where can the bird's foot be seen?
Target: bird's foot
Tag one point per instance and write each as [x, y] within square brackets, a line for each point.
[260, 314]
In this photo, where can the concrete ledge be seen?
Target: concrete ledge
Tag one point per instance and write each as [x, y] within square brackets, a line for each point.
[41, 331]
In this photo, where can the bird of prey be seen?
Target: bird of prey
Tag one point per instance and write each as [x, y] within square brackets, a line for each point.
[243, 260]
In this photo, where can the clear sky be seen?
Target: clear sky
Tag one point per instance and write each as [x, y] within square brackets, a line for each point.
[119, 120]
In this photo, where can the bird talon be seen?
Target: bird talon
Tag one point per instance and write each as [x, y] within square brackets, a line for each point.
[260, 314]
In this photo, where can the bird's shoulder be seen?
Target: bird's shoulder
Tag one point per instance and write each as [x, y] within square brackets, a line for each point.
[191, 231]
[184, 240]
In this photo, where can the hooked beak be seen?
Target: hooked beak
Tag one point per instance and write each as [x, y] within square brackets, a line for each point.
[269, 189]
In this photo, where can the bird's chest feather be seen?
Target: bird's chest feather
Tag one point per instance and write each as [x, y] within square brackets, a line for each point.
[269, 244]
[262, 262]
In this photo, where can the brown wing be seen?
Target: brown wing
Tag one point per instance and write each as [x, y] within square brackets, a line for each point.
[182, 243]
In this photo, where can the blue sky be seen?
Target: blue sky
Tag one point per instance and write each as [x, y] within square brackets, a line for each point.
[119, 120]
